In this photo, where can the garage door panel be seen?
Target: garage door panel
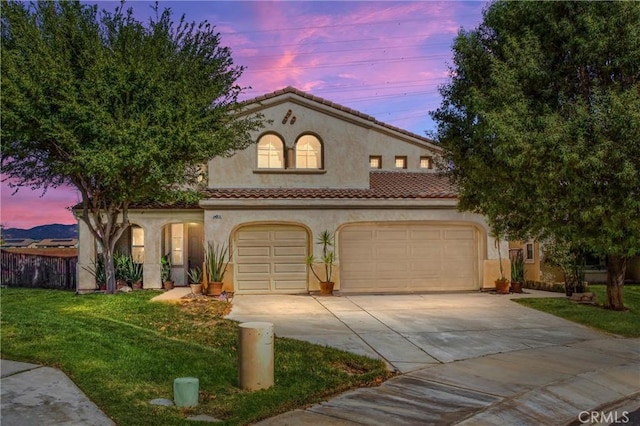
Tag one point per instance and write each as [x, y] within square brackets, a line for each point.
[253, 285]
[408, 257]
[271, 259]
[253, 268]
[288, 285]
[391, 235]
[425, 251]
[253, 251]
[290, 234]
[390, 251]
[358, 234]
[282, 268]
[425, 235]
[252, 236]
[290, 251]
[462, 234]
[426, 268]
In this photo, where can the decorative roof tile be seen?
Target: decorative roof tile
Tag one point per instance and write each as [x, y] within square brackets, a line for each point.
[382, 185]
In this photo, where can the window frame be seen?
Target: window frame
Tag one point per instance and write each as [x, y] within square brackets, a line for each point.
[320, 153]
[177, 244]
[281, 152]
[429, 159]
[139, 248]
[404, 162]
[529, 245]
[375, 157]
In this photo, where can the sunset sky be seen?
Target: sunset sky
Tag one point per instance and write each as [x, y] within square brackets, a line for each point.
[385, 59]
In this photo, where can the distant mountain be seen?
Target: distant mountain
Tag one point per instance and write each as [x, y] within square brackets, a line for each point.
[42, 232]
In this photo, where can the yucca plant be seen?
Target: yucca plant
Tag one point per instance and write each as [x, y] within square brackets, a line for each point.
[195, 275]
[215, 261]
[326, 239]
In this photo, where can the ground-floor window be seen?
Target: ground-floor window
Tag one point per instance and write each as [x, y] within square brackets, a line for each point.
[137, 244]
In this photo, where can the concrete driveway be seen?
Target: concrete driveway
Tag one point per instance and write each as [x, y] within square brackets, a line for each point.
[469, 359]
[413, 331]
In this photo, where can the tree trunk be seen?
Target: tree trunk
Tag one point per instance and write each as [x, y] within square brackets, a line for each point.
[616, 268]
[109, 269]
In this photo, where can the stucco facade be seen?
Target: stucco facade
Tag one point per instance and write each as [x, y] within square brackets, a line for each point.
[270, 216]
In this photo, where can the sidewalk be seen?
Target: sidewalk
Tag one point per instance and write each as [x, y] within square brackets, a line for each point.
[33, 395]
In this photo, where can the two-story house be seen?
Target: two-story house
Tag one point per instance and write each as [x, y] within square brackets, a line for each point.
[319, 166]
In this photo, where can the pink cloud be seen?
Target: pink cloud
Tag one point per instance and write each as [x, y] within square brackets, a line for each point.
[26, 208]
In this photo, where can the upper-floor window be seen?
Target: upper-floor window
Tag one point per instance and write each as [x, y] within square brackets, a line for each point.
[401, 162]
[426, 163]
[308, 153]
[270, 152]
[375, 161]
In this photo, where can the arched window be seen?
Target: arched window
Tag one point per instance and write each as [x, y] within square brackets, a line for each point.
[270, 152]
[308, 153]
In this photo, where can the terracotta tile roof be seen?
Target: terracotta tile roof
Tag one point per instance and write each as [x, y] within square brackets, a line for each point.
[290, 89]
[382, 184]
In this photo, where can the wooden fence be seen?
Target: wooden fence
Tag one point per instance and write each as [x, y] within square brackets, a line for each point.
[29, 270]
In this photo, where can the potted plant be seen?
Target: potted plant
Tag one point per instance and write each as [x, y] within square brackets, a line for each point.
[120, 265]
[517, 272]
[326, 239]
[165, 272]
[134, 273]
[216, 267]
[195, 280]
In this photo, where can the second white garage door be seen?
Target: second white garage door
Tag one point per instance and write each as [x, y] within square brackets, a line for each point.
[389, 257]
[270, 259]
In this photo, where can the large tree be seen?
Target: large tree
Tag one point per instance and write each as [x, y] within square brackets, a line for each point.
[540, 123]
[121, 110]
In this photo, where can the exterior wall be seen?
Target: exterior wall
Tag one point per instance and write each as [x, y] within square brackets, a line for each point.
[532, 269]
[221, 225]
[152, 222]
[85, 282]
[347, 143]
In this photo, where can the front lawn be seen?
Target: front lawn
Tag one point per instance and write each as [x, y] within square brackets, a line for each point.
[124, 351]
[625, 323]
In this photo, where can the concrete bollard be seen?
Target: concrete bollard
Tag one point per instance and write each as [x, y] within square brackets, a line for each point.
[185, 391]
[255, 351]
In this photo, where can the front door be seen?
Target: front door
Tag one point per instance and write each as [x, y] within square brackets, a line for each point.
[195, 249]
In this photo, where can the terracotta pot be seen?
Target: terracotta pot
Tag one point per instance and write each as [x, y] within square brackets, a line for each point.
[502, 286]
[137, 285]
[120, 284]
[214, 288]
[196, 288]
[326, 288]
[168, 285]
[516, 287]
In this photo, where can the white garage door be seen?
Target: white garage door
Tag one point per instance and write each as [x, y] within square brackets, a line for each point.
[408, 258]
[271, 259]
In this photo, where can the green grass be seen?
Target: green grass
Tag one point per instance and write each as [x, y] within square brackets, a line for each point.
[123, 351]
[625, 323]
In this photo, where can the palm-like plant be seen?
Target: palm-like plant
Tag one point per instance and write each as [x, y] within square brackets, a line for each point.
[326, 239]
